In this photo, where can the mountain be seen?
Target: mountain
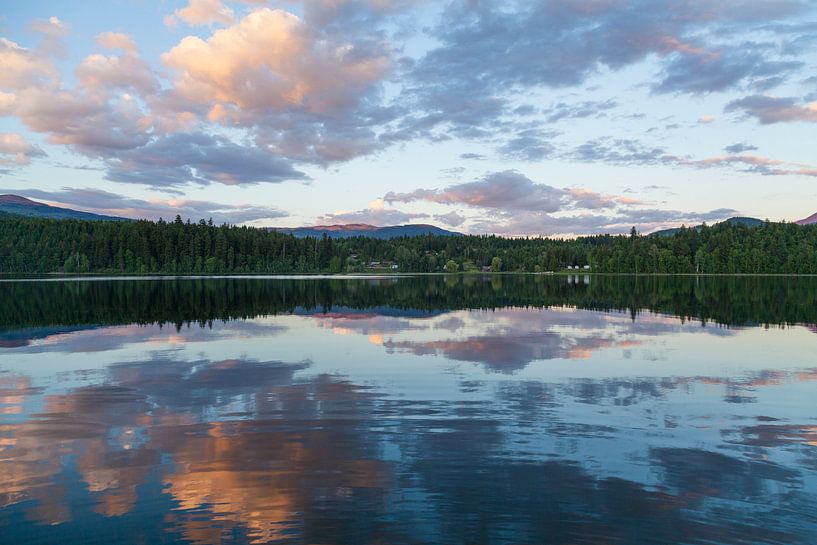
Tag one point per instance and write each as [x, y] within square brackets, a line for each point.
[364, 230]
[20, 206]
[748, 222]
[807, 221]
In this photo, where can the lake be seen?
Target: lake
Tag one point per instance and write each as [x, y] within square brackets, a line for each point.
[409, 410]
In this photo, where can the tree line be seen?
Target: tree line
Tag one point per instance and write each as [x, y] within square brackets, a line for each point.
[35, 245]
[731, 300]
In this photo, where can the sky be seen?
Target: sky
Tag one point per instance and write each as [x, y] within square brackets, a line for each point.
[555, 117]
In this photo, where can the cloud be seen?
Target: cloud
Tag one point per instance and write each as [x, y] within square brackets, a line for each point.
[181, 158]
[759, 165]
[645, 220]
[100, 72]
[52, 31]
[7, 103]
[452, 218]
[389, 216]
[95, 124]
[510, 193]
[739, 147]
[628, 152]
[768, 110]
[710, 71]
[271, 61]
[302, 91]
[588, 199]
[104, 202]
[117, 40]
[17, 149]
[488, 56]
[620, 151]
[201, 12]
[507, 190]
[333, 83]
[103, 117]
[589, 108]
[529, 145]
[23, 67]
[487, 52]
[515, 205]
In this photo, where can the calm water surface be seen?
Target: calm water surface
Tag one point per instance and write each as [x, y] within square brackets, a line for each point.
[508, 409]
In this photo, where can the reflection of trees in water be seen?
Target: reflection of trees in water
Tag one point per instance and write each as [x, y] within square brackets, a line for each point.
[246, 448]
[725, 300]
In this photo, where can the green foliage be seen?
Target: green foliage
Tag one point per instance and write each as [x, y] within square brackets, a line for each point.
[35, 245]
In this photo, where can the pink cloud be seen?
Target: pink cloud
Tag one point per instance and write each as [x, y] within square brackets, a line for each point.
[270, 60]
[17, 150]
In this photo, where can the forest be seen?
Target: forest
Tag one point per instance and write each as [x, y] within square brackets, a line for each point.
[35, 245]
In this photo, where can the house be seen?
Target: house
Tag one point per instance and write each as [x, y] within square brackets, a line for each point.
[486, 269]
[383, 265]
[587, 267]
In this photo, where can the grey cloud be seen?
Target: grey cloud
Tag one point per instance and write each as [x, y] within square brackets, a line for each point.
[371, 216]
[768, 110]
[507, 190]
[182, 158]
[104, 202]
[529, 145]
[488, 54]
[740, 147]
[510, 193]
[620, 151]
[560, 43]
[343, 15]
[452, 218]
[706, 72]
[590, 108]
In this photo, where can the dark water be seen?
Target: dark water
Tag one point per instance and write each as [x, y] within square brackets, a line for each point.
[513, 409]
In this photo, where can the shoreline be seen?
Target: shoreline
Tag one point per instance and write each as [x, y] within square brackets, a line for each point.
[89, 277]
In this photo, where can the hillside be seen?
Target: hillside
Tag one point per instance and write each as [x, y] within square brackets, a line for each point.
[738, 220]
[807, 221]
[362, 229]
[20, 206]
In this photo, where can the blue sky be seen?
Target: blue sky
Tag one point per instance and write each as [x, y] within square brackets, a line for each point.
[558, 117]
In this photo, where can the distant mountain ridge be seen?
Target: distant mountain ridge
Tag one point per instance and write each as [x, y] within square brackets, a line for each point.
[365, 230]
[20, 206]
[807, 221]
[737, 220]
